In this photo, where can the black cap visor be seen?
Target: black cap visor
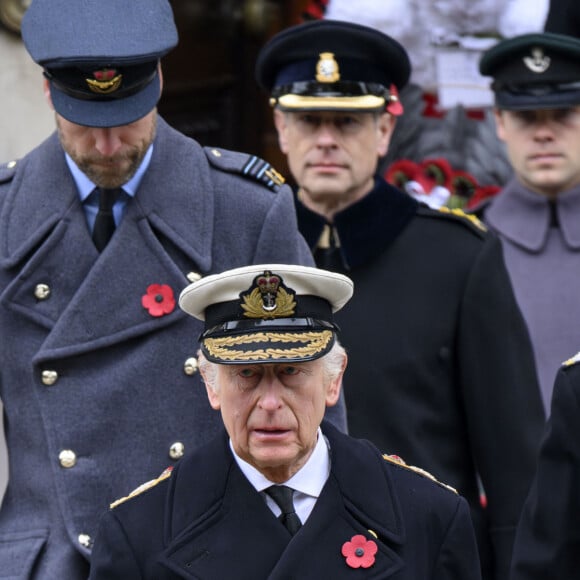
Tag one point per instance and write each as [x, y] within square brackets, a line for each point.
[531, 98]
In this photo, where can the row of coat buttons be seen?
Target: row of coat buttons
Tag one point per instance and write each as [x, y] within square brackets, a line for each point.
[190, 367]
[68, 458]
[42, 291]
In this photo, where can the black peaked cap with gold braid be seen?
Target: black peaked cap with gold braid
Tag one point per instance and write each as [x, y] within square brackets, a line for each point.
[333, 65]
[267, 313]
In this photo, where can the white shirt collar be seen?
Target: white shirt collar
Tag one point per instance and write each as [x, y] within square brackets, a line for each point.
[85, 186]
[309, 480]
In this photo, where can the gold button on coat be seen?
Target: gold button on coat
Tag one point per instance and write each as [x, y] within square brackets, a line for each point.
[190, 366]
[67, 458]
[42, 291]
[177, 450]
[49, 378]
[193, 276]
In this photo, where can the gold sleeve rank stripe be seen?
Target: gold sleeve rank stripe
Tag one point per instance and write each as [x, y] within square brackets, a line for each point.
[143, 487]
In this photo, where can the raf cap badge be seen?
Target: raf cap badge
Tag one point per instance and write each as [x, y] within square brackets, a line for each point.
[538, 62]
[327, 68]
[105, 81]
[268, 298]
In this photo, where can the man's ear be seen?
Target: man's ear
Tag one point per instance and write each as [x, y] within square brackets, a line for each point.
[385, 127]
[160, 73]
[499, 124]
[46, 89]
[281, 124]
[213, 396]
[334, 387]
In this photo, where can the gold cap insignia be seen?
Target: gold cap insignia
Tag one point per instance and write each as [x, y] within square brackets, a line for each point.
[106, 80]
[327, 68]
[268, 298]
[538, 62]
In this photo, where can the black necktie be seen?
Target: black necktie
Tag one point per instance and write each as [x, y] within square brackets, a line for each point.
[282, 495]
[105, 223]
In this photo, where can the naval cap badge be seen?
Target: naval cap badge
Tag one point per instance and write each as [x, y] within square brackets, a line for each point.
[268, 298]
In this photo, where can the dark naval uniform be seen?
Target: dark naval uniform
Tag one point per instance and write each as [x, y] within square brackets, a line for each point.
[440, 365]
[206, 521]
[548, 539]
[99, 391]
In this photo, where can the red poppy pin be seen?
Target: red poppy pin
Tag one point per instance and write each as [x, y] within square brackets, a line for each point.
[359, 552]
[159, 300]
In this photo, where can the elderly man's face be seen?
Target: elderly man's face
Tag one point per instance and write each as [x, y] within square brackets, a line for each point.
[272, 412]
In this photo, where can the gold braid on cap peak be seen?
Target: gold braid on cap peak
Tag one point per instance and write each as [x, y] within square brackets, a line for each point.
[220, 347]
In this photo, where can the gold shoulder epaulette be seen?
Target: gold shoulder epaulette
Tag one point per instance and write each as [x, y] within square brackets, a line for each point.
[572, 360]
[143, 487]
[399, 461]
[460, 213]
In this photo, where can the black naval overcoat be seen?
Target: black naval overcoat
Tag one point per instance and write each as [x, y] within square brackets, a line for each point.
[99, 393]
[440, 367]
[548, 539]
[207, 522]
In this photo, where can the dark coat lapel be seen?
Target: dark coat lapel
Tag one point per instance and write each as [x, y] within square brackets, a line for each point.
[361, 239]
[230, 508]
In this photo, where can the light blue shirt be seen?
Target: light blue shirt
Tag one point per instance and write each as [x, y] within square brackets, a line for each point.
[307, 482]
[85, 187]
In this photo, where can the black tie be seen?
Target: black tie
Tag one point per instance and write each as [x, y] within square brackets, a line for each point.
[105, 223]
[282, 495]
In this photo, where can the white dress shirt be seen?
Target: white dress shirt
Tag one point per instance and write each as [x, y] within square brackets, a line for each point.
[307, 482]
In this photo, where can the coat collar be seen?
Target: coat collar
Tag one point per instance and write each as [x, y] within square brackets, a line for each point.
[42, 194]
[201, 528]
[523, 216]
[364, 228]
[44, 232]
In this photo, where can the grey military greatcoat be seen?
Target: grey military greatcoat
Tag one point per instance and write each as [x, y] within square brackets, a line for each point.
[541, 245]
[99, 393]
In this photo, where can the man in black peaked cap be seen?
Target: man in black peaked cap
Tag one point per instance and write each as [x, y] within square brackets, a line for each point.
[441, 370]
[536, 81]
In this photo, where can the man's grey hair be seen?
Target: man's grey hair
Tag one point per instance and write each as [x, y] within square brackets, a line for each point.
[333, 362]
